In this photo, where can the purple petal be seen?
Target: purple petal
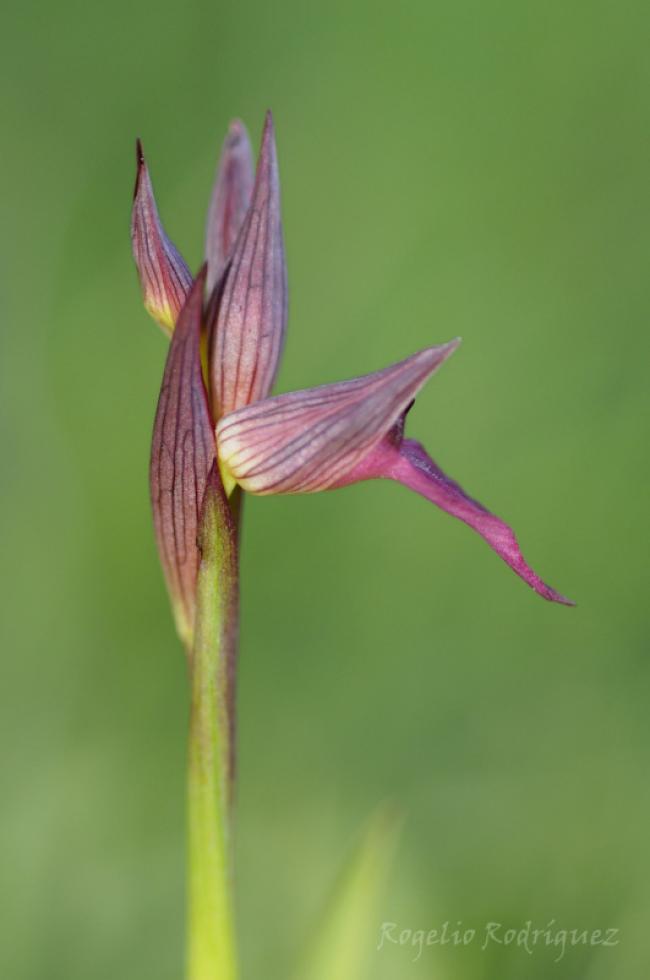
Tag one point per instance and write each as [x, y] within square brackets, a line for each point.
[182, 454]
[308, 440]
[164, 276]
[407, 462]
[248, 333]
[230, 200]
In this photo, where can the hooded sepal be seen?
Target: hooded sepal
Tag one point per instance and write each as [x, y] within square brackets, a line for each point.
[248, 323]
[164, 277]
[230, 199]
[308, 440]
[182, 455]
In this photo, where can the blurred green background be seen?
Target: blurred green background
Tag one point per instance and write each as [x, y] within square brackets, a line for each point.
[447, 168]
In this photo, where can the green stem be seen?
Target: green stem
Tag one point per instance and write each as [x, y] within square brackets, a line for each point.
[211, 951]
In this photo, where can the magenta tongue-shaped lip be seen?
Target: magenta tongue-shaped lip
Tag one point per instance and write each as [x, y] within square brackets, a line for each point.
[338, 434]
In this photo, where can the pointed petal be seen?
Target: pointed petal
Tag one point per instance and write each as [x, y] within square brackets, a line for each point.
[407, 462]
[248, 333]
[307, 440]
[182, 454]
[164, 276]
[230, 200]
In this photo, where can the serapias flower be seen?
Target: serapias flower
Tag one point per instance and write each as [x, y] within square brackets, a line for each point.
[220, 411]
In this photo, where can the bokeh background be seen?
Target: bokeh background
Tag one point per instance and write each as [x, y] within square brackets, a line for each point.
[448, 168]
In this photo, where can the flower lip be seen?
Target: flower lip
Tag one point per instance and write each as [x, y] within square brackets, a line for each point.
[304, 441]
[339, 434]
[407, 462]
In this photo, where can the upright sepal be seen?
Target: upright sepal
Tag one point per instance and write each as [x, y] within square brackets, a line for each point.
[230, 200]
[182, 454]
[248, 325]
[307, 440]
[164, 277]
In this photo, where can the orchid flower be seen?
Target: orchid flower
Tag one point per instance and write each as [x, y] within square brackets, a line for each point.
[300, 442]
[218, 431]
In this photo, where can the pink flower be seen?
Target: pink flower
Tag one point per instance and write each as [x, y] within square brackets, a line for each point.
[218, 411]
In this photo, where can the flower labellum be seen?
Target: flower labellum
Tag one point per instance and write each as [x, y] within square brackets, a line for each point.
[309, 440]
[338, 434]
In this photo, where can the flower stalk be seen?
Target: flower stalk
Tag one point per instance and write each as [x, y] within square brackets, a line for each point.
[211, 949]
